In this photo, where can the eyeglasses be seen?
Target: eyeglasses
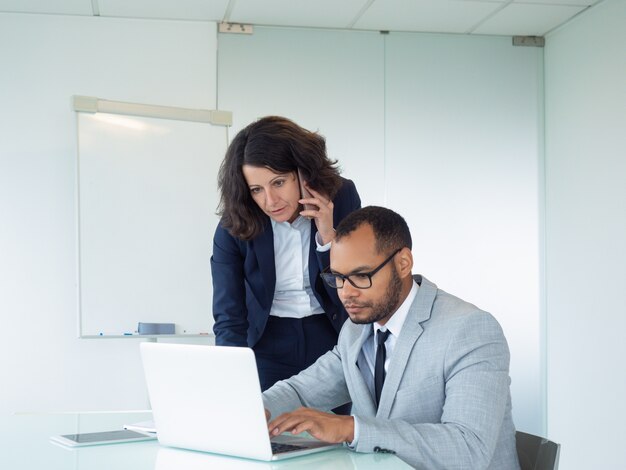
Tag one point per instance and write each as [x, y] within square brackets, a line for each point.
[358, 280]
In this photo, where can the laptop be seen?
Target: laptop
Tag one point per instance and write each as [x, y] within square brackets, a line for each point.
[208, 398]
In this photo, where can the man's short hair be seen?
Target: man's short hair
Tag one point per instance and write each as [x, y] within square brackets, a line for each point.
[390, 229]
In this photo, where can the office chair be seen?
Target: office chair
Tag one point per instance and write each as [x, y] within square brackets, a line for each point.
[536, 453]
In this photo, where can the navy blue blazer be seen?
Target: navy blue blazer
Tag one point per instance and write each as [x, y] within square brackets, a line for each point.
[244, 278]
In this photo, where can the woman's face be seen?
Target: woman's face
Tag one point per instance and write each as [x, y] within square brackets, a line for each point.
[277, 194]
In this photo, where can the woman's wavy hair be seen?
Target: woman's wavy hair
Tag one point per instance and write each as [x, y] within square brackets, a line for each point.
[282, 146]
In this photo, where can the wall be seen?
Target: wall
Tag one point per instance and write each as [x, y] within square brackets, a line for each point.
[468, 109]
[463, 133]
[45, 60]
[331, 81]
[586, 229]
[445, 129]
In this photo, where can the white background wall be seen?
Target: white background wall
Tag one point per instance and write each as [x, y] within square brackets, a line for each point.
[496, 145]
[331, 81]
[462, 156]
[470, 195]
[44, 60]
[586, 234]
[445, 129]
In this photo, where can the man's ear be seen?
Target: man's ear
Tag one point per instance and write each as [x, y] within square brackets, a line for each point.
[404, 262]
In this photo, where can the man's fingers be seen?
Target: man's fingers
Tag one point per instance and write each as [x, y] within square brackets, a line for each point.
[289, 422]
[304, 425]
[279, 427]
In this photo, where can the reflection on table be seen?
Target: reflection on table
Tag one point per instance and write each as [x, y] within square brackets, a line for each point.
[25, 444]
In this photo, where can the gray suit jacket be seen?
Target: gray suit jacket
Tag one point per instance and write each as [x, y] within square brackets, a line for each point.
[446, 402]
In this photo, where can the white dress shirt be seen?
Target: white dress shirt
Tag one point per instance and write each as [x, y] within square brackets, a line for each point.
[293, 295]
[394, 325]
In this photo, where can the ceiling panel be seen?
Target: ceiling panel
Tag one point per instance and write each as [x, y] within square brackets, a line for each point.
[544, 2]
[447, 16]
[312, 13]
[501, 17]
[486, 1]
[61, 7]
[584, 3]
[207, 10]
[517, 19]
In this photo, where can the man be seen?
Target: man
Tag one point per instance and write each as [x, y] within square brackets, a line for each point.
[436, 392]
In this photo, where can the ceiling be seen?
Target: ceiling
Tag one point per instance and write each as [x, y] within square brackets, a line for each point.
[496, 17]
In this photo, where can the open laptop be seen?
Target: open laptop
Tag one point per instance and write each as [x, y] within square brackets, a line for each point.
[208, 398]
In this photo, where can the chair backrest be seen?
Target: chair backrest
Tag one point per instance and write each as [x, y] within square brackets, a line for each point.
[536, 453]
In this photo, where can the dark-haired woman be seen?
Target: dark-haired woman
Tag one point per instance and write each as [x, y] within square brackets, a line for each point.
[268, 250]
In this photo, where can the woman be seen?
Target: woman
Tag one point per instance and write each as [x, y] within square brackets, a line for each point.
[268, 250]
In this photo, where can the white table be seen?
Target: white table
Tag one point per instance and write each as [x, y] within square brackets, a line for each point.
[25, 444]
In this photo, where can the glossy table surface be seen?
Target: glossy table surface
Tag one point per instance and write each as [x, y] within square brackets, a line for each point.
[25, 444]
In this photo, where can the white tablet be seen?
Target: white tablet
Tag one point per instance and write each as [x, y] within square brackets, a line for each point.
[98, 438]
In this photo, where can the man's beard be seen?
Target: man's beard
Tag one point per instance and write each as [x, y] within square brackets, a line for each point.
[387, 305]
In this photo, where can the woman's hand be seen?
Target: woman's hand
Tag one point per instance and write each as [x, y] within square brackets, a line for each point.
[323, 216]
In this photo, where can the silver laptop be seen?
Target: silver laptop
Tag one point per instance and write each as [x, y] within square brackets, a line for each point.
[208, 398]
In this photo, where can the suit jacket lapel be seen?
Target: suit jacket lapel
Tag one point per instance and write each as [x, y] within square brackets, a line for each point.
[411, 330]
[360, 393]
[314, 269]
[264, 251]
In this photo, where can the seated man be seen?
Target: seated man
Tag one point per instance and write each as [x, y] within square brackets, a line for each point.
[427, 373]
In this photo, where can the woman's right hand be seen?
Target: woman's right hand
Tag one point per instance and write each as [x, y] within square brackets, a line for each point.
[323, 216]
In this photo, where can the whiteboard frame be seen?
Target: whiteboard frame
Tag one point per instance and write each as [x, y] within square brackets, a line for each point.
[89, 104]
[92, 105]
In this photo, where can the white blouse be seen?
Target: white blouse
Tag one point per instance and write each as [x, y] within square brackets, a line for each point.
[293, 296]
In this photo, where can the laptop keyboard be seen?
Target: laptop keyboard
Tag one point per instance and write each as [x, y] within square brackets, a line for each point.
[278, 448]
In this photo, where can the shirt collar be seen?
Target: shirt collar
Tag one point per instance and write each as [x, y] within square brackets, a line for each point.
[295, 224]
[394, 324]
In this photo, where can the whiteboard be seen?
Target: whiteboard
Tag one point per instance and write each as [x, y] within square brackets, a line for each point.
[147, 196]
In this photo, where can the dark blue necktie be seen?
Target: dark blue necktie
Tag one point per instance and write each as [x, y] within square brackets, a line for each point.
[379, 367]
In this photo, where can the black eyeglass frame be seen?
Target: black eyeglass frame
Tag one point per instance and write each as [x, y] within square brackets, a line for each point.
[330, 278]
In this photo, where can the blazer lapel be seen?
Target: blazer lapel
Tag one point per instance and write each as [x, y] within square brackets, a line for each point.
[411, 330]
[264, 251]
[359, 392]
[314, 269]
